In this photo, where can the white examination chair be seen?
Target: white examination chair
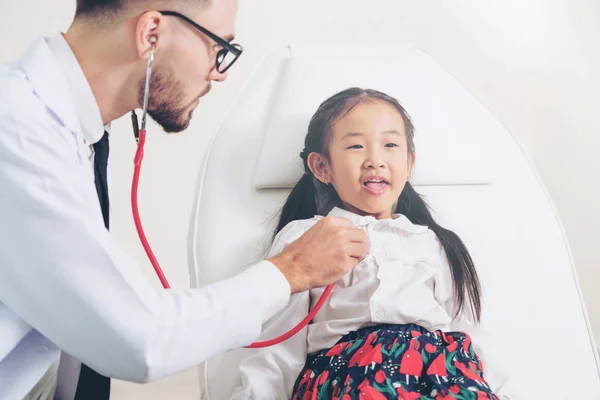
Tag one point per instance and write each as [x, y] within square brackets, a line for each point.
[469, 166]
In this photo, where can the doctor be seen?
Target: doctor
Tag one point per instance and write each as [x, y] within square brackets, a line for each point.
[67, 292]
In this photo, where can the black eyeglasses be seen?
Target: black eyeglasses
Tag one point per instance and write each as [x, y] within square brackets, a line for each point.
[229, 52]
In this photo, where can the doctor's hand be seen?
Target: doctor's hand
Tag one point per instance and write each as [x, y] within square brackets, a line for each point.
[323, 254]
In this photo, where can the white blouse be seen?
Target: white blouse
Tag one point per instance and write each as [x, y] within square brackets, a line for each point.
[405, 279]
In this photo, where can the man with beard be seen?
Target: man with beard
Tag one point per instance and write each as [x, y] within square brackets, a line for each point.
[66, 290]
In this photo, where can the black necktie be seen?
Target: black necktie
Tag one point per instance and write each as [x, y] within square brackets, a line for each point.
[92, 385]
[101, 149]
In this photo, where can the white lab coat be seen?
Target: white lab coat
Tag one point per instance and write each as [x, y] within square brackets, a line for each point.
[64, 283]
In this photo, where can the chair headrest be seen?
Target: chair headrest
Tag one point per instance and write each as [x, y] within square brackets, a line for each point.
[453, 130]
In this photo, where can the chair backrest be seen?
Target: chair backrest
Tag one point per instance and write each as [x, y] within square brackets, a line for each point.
[471, 169]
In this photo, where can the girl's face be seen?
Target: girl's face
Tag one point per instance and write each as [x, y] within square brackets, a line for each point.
[369, 162]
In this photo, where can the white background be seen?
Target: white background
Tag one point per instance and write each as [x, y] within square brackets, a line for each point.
[535, 63]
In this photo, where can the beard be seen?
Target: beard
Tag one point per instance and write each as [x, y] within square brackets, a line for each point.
[163, 104]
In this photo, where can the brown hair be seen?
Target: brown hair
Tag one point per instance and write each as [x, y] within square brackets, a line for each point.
[107, 9]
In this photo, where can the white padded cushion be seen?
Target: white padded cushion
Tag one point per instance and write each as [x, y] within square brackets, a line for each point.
[450, 147]
[531, 300]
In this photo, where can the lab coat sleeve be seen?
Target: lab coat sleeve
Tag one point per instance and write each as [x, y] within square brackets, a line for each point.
[494, 370]
[64, 275]
[270, 373]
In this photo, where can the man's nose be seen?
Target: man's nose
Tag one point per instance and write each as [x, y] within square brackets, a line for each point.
[217, 76]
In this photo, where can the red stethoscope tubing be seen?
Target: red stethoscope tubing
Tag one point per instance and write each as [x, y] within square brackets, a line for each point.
[139, 155]
[140, 135]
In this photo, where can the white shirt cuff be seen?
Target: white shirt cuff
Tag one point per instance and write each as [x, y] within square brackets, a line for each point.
[272, 290]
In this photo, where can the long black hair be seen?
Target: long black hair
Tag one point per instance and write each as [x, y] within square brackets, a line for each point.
[310, 197]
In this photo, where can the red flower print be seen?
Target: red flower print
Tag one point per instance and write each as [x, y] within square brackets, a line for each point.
[337, 391]
[412, 362]
[372, 338]
[380, 377]
[430, 348]
[455, 389]
[368, 358]
[322, 378]
[452, 348]
[336, 350]
[360, 353]
[306, 377]
[438, 367]
[469, 374]
[404, 395]
[473, 366]
[369, 392]
[375, 356]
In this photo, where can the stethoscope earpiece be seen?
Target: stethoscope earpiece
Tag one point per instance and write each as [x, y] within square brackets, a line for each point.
[134, 120]
[153, 40]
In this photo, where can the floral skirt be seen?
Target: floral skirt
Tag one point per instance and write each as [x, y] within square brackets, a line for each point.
[395, 362]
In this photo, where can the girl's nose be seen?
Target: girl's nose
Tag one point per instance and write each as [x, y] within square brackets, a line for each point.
[373, 162]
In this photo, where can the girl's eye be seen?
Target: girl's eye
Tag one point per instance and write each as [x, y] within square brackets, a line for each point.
[356, 146]
[391, 145]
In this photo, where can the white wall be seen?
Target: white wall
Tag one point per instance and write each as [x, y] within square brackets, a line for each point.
[535, 63]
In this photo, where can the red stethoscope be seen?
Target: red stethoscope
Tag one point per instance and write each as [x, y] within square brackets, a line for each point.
[140, 136]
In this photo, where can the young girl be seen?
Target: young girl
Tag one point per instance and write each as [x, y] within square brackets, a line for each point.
[399, 324]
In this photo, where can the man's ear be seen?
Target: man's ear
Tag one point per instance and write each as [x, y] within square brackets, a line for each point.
[147, 32]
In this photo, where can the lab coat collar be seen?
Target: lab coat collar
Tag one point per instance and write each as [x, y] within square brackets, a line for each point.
[396, 221]
[58, 80]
